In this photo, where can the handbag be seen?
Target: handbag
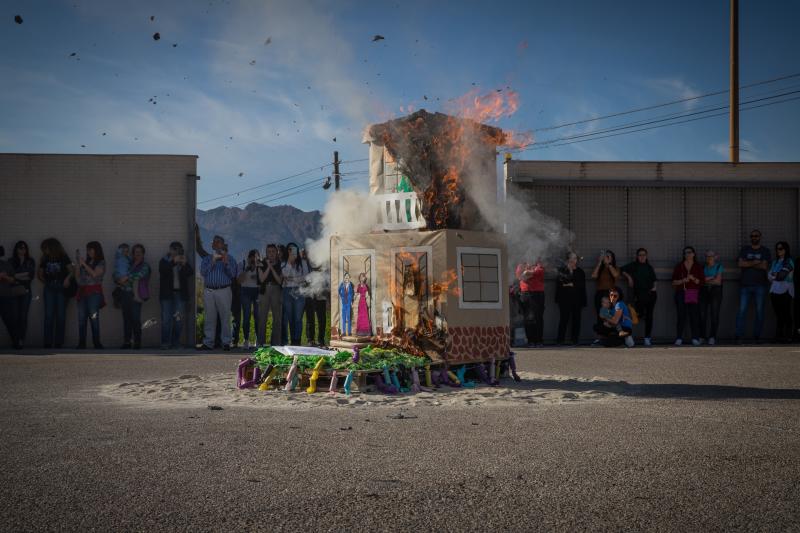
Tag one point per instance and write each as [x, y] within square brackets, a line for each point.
[691, 296]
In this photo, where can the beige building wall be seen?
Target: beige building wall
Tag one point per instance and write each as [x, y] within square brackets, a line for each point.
[663, 207]
[147, 199]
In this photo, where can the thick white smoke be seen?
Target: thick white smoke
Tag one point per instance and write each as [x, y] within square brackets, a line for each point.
[345, 213]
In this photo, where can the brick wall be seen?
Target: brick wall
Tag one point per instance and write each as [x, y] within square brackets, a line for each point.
[147, 199]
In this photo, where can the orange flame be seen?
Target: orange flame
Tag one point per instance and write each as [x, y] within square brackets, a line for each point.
[447, 284]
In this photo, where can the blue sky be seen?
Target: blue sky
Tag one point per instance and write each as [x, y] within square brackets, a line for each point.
[225, 95]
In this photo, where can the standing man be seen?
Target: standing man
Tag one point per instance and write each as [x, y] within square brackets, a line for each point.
[218, 270]
[270, 297]
[754, 261]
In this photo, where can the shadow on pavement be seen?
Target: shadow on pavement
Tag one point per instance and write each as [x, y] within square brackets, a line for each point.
[664, 390]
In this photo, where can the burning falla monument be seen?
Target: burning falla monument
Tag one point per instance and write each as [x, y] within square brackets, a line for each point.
[430, 277]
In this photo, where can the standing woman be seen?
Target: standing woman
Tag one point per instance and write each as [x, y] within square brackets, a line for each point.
[364, 321]
[781, 291]
[135, 292]
[248, 281]
[642, 278]
[89, 297]
[54, 270]
[294, 271]
[571, 298]
[711, 297]
[605, 273]
[24, 271]
[687, 279]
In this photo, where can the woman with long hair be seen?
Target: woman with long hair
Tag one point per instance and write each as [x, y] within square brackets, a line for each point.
[54, 270]
[605, 274]
[642, 278]
[781, 291]
[89, 297]
[294, 271]
[135, 292]
[687, 280]
[248, 281]
[24, 271]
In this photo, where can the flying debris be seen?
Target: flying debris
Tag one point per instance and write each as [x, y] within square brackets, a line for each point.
[378, 38]
[252, 62]
[174, 45]
[268, 41]
[327, 184]
[156, 36]
[152, 18]
[425, 97]
[18, 19]
[83, 146]
[73, 54]
[334, 139]
[241, 174]
[104, 134]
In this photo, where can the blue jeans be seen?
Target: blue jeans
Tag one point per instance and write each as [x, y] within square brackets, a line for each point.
[292, 319]
[55, 310]
[249, 297]
[347, 320]
[173, 311]
[89, 309]
[757, 293]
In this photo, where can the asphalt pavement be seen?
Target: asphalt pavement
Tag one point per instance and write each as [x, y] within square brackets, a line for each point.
[697, 439]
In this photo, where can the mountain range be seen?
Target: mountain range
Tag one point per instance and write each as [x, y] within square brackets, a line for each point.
[257, 225]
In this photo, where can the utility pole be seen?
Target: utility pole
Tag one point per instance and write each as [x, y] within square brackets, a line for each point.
[734, 110]
[336, 175]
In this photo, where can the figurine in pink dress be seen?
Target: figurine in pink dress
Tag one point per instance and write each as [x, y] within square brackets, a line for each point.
[364, 324]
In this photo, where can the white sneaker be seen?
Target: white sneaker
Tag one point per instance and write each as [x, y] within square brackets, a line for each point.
[695, 342]
[246, 345]
[629, 342]
[648, 341]
[678, 342]
[712, 341]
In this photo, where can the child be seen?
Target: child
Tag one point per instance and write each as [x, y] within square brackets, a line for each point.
[606, 313]
[122, 262]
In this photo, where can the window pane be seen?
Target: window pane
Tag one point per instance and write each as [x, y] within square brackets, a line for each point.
[469, 260]
[472, 291]
[471, 274]
[489, 274]
[489, 260]
[490, 292]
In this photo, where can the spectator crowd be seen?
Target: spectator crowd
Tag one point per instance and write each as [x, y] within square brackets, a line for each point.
[235, 294]
[696, 292]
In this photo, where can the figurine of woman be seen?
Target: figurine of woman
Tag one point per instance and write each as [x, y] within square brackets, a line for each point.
[363, 324]
[410, 298]
[346, 299]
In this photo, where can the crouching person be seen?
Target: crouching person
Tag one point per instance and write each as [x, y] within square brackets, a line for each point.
[615, 325]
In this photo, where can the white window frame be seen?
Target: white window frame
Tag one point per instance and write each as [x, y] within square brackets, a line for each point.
[481, 251]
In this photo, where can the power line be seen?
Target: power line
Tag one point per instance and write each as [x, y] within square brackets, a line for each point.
[724, 113]
[272, 182]
[649, 122]
[665, 104]
[315, 182]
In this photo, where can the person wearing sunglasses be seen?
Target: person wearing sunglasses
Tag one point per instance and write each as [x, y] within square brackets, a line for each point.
[781, 291]
[754, 261]
[687, 279]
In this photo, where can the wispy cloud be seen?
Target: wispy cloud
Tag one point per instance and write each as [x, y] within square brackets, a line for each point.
[675, 88]
[747, 150]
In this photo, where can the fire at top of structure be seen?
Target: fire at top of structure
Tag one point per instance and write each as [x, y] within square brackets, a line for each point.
[447, 161]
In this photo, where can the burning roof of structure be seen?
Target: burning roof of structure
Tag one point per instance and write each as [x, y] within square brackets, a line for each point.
[445, 159]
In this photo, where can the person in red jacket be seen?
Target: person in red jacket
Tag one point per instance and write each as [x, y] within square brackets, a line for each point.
[687, 279]
[531, 294]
